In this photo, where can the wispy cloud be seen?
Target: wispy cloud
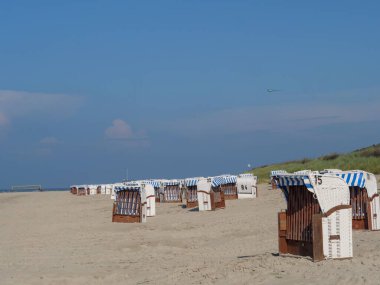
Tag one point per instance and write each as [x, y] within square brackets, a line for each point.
[21, 103]
[46, 146]
[3, 120]
[121, 131]
[276, 118]
[49, 141]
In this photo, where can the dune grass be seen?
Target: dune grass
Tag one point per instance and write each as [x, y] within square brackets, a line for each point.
[367, 159]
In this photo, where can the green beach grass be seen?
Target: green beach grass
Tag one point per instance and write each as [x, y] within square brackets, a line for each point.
[367, 159]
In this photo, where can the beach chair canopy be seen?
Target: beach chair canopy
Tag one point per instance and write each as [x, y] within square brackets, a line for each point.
[277, 172]
[329, 194]
[127, 188]
[172, 183]
[154, 183]
[359, 178]
[330, 170]
[302, 172]
[221, 180]
[189, 182]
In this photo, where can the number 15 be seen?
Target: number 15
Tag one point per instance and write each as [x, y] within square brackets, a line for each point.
[318, 180]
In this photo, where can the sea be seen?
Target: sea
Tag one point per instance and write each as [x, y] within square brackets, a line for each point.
[34, 190]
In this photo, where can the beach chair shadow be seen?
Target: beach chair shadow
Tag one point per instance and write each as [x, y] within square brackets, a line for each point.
[196, 209]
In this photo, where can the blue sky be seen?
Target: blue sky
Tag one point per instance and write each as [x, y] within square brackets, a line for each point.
[171, 89]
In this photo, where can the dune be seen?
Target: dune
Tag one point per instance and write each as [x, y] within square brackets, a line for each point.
[59, 238]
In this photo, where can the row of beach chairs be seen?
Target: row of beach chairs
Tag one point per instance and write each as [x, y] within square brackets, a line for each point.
[205, 193]
[323, 207]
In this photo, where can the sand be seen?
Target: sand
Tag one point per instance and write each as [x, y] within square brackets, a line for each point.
[58, 238]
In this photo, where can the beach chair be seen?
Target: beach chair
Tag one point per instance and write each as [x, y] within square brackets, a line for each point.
[82, 190]
[108, 189]
[210, 196]
[150, 186]
[172, 192]
[317, 221]
[73, 190]
[246, 186]
[364, 198]
[157, 194]
[157, 188]
[191, 193]
[229, 187]
[130, 205]
[92, 190]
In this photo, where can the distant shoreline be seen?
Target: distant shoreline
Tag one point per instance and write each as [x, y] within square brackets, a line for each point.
[33, 190]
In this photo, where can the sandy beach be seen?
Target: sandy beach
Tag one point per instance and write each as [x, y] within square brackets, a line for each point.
[59, 238]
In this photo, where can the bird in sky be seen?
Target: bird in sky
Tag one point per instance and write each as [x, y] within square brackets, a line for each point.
[273, 90]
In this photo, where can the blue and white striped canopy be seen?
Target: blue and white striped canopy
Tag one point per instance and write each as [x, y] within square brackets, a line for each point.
[217, 181]
[127, 188]
[221, 180]
[285, 181]
[172, 183]
[191, 182]
[354, 178]
[154, 183]
[277, 172]
[294, 180]
[230, 180]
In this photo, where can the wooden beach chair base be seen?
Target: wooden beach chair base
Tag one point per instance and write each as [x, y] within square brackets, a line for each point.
[126, 219]
[192, 204]
[127, 202]
[230, 197]
[360, 224]
[313, 249]
[217, 200]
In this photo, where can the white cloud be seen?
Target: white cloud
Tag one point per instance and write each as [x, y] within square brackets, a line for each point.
[3, 120]
[119, 130]
[49, 141]
[21, 103]
[122, 132]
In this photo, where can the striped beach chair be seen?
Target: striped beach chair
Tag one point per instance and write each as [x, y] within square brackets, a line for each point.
[210, 195]
[229, 187]
[364, 198]
[74, 189]
[130, 204]
[317, 221]
[82, 190]
[191, 192]
[172, 192]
